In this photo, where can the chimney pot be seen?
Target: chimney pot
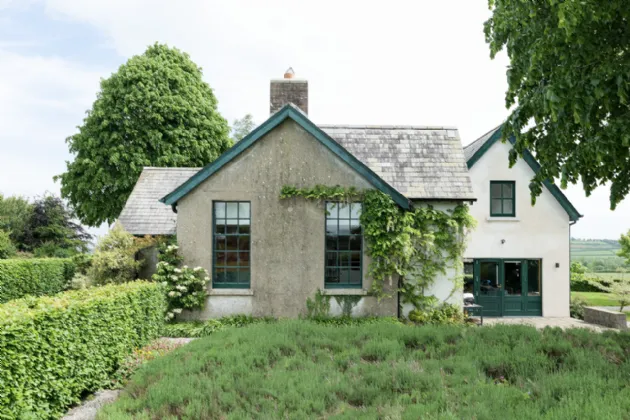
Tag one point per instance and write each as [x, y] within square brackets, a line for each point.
[289, 73]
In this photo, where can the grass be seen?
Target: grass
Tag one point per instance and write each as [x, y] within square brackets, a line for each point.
[299, 369]
[596, 298]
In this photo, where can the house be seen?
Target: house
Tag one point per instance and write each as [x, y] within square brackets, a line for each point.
[519, 254]
[267, 256]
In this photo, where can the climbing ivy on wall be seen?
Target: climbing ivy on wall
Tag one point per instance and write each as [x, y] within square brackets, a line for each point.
[413, 246]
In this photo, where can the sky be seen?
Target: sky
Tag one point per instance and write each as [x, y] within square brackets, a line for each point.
[396, 62]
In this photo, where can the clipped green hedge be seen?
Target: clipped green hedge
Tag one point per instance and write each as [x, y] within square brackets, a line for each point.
[36, 277]
[53, 349]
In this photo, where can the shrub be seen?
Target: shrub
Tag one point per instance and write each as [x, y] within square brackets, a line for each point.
[114, 258]
[444, 314]
[54, 349]
[196, 329]
[7, 249]
[581, 281]
[185, 287]
[38, 277]
[577, 307]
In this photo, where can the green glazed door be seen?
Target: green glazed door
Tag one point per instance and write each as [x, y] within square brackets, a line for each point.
[489, 286]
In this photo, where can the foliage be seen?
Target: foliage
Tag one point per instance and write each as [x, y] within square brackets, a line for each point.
[347, 303]
[298, 369]
[242, 127]
[624, 241]
[7, 249]
[114, 259]
[140, 356]
[577, 307]
[37, 277]
[156, 110]
[568, 86]
[581, 281]
[50, 230]
[620, 289]
[55, 349]
[319, 306]
[14, 212]
[414, 246]
[442, 314]
[185, 287]
[195, 329]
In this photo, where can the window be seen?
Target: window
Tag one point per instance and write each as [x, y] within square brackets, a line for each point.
[502, 199]
[231, 245]
[344, 245]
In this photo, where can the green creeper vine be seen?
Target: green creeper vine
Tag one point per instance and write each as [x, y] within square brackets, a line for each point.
[413, 245]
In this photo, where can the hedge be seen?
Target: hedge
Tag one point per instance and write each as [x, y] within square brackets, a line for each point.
[36, 276]
[54, 349]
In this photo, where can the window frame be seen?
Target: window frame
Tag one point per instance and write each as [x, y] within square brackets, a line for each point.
[502, 198]
[224, 285]
[340, 285]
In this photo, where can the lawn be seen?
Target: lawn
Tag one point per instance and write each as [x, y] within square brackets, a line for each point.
[597, 298]
[298, 369]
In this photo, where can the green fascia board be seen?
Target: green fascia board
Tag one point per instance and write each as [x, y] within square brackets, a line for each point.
[288, 111]
[556, 192]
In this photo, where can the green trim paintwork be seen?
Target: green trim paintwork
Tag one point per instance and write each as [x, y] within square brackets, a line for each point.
[513, 198]
[556, 192]
[287, 112]
[224, 285]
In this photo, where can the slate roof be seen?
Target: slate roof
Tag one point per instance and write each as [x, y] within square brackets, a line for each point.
[420, 162]
[472, 148]
[143, 213]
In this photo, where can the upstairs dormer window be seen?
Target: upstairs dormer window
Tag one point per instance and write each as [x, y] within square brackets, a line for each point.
[502, 199]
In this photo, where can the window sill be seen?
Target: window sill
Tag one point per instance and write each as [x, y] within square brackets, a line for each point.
[344, 292]
[230, 292]
[502, 219]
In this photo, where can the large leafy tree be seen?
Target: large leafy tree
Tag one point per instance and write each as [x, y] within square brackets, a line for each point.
[624, 241]
[50, 230]
[568, 84]
[14, 213]
[154, 111]
[242, 127]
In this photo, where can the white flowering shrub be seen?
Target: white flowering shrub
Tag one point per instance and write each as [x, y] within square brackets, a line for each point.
[185, 287]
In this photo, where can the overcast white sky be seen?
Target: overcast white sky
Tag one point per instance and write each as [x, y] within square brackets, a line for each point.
[396, 62]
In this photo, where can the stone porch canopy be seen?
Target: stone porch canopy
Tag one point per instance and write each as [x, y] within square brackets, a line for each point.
[409, 163]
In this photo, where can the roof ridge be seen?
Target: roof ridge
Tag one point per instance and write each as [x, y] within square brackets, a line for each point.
[484, 135]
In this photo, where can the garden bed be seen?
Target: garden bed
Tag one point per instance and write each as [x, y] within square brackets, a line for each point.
[299, 369]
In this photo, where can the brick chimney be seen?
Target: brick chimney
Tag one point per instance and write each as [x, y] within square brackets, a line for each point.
[288, 90]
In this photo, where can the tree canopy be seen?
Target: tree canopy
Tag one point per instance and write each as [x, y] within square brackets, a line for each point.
[624, 241]
[155, 110]
[568, 86]
[242, 127]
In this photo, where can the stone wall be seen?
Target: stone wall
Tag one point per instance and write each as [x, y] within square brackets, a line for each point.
[612, 319]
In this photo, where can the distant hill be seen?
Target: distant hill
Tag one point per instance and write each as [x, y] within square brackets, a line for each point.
[594, 248]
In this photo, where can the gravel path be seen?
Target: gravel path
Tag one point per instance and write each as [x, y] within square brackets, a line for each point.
[88, 409]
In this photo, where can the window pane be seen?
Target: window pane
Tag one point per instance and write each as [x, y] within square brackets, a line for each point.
[331, 210]
[495, 190]
[355, 243]
[331, 242]
[344, 227]
[331, 227]
[508, 207]
[243, 210]
[220, 258]
[533, 278]
[331, 259]
[243, 243]
[507, 190]
[231, 275]
[355, 259]
[344, 259]
[219, 210]
[496, 207]
[232, 226]
[243, 276]
[344, 243]
[219, 226]
[220, 242]
[243, 227]
[231, 243]
[344, 275]
[243, 259]
[332, 275]
[219, 275]
[355, 227]
[355, 211]
[344, 211]
[231, 259]
[355, 276]
[232, 210]
[468, 277]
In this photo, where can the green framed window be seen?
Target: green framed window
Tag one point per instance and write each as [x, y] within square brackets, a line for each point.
[502, 199]
[344, 246]
[231, 239]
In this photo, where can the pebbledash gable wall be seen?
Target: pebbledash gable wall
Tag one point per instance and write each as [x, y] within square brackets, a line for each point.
[288, 236]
